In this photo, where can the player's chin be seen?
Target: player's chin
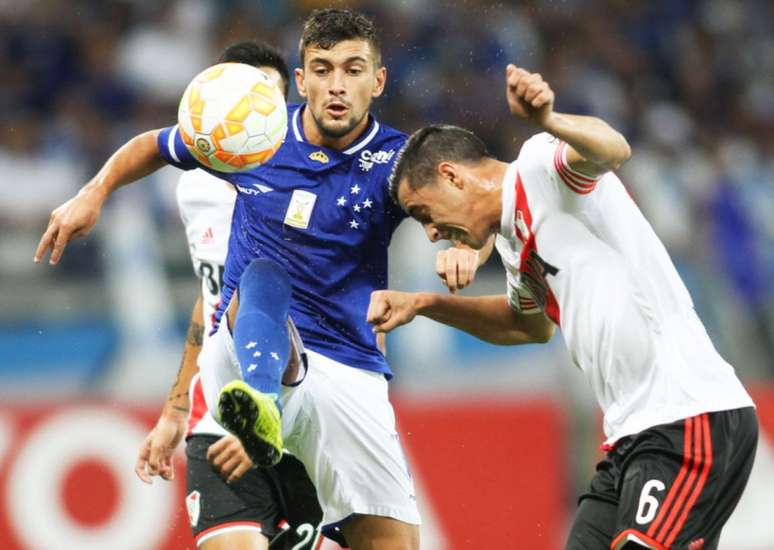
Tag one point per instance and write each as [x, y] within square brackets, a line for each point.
[336, 128]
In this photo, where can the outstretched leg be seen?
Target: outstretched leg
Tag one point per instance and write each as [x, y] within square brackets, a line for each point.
[249, 408]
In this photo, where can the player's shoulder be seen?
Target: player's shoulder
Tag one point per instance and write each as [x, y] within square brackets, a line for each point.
[388, 134]
[542, 141]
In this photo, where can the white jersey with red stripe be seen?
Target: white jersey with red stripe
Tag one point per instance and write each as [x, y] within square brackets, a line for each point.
[581, 251]
[206, 204]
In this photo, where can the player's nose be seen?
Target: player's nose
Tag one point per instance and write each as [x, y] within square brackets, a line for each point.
[432, 233]
[337, 83]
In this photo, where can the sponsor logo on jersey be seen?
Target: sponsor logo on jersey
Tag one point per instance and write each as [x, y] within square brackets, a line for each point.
[368, 158]
[299, 211]
[193, 505]
[258, 189]
[208, 237]
[319, 156]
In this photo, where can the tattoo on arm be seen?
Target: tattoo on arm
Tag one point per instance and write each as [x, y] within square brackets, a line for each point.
[195, 338]
[195, 334]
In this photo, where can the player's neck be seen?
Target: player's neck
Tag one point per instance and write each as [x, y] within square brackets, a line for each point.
[490, 174]
[314, 136]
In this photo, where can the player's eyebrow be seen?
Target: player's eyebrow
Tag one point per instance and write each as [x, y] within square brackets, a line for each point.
[348, 60]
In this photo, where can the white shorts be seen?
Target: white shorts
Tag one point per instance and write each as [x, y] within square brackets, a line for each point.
[339, 422]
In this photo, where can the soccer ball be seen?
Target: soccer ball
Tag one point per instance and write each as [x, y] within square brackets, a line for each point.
[232, 117]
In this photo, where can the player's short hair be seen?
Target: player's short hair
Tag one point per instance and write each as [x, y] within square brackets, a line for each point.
[419, 158]
[324, 28]
[258, 54]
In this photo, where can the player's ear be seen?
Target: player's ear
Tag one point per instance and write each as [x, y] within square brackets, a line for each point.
[299, 74]
[450, 173]
[380, 79]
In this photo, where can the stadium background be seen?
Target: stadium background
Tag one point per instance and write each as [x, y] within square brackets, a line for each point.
[501, 440]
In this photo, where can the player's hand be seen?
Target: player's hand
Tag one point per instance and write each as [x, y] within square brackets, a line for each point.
[529, 96]
[155, 456]
[71, 220]
[228, 457]
[457, 266]
[390, 309]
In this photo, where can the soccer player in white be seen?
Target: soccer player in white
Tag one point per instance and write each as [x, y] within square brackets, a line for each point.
[681, 430]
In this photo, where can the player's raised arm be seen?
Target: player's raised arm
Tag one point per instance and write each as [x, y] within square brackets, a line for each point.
[136, 159]
[489, 318]
[594, 147]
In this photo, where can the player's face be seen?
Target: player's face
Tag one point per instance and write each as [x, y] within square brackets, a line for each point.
[339, 84]
[446, 212]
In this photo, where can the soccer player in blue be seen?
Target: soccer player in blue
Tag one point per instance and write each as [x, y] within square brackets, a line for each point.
[308, 245]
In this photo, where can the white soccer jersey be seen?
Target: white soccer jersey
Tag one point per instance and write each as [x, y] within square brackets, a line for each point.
[206, 204]
[580, 250]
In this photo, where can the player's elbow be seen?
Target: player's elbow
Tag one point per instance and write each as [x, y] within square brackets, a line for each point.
[622, 153]
[539, 334]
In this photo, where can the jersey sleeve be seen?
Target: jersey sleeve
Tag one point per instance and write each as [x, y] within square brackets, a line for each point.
[174, 151]
[544, 168]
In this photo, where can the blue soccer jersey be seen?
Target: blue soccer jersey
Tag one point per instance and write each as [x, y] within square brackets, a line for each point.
[327, 217]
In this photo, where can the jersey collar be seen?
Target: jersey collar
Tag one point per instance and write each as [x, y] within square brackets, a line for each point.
[371, 130]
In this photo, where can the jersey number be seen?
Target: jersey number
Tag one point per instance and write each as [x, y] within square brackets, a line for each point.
[648, 507]
[213, 276]
[307, 533]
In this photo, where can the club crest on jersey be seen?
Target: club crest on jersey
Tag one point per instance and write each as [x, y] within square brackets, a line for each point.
[368, 158]
[193, 505]
[299, 211]
[319, 156]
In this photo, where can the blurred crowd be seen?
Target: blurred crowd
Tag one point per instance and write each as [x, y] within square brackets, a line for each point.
[688, 82]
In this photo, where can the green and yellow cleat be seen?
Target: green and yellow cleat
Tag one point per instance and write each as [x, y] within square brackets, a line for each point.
[253, 417]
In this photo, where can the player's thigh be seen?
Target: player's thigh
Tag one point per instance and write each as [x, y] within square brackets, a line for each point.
[249, 506]
[682, 480]
[593, 526]
[342, 427]
[218, 364]
[239, 540]
[365, 532]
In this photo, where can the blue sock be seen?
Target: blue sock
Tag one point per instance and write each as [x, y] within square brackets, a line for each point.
[260, 329]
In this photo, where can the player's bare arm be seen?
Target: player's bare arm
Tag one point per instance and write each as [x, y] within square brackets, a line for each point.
[136, 159]
[457, 266]
[489, 318]
[594, 147]
[155, 456]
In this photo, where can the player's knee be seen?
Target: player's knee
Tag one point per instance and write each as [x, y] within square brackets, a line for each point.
[265, 285]
[366, 531]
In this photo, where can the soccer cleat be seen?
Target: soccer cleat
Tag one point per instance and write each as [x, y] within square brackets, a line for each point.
[254, 418]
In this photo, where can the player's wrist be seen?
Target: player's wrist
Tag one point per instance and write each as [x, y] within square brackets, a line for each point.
[424, 302]
[176, 412]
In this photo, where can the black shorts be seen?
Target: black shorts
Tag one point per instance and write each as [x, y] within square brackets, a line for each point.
[670, 486]
[279, 502]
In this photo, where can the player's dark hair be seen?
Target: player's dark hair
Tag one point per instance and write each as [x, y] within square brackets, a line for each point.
[324, 28]
[258, 54]
[418, 160]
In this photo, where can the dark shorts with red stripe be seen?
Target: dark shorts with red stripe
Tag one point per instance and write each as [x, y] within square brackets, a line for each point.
[670, 486]
[279, 503]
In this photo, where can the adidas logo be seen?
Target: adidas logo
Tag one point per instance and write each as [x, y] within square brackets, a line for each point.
[208, 237]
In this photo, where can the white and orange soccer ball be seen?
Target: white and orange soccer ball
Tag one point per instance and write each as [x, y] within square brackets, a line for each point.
[232, 117]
